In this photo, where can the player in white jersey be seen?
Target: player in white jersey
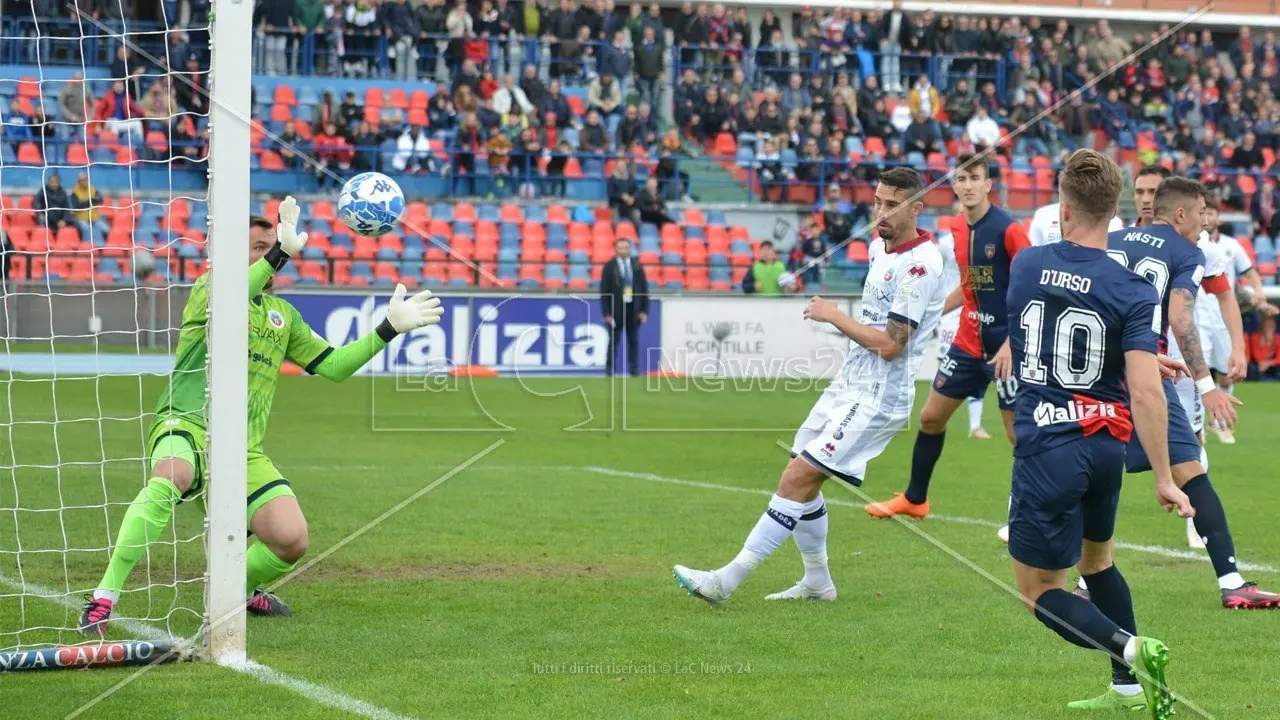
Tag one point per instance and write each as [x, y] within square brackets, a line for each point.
[1215, 339]
[949, 323]
[869, 401]
[1045, 228]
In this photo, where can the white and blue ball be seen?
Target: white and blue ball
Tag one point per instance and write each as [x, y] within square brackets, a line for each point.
[371, 204]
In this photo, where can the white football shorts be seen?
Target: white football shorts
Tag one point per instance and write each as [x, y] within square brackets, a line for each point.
[948, 326]
[1216, 343]
[846, 430]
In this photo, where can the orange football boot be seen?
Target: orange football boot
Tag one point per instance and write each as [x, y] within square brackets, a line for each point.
[899, 505]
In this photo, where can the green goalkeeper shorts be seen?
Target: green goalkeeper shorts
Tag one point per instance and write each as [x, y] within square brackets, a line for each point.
[173, 436]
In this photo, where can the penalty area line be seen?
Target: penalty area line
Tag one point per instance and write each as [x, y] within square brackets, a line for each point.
[262, 673]
[1135, 547]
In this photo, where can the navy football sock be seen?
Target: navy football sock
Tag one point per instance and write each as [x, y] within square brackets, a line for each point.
[1211, 523]
[1079, 622]
[1110, 594]
[924, 456]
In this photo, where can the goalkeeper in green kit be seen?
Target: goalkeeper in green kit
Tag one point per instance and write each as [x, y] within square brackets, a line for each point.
[176, 441]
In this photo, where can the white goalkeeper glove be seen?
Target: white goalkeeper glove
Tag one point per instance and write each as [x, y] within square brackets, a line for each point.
[403, 315]
[291, 241]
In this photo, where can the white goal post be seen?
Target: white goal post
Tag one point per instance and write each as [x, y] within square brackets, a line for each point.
[231, 78]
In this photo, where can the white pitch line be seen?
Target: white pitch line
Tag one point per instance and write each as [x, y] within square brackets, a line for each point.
[1150, 549]
[257, 671]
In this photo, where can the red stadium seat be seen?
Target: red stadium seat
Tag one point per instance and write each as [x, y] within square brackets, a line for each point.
[578, 107]
[486, 230]
[603, 231]
[40, 240]
[29, 154]
[435, 270]
[530, 271]
[283, 95]
[579, 232]
[157, 141]
[534, 231]
[390, 241]
[76, 155]
[126, 155]
[511, 213]
[397, 98]
[373, 98]
[738, 232]
[726, 145]
[419, 99]
[671, 232]
[68, 238]
[28, 87]
[858, 251]
[365, 249]
[281, 113]
[271, 161]
[558, 215]
[577, 283]
[693, 217]
[625, 230]
[464, 212]
[418, 117]
[485, 250]
[322, 210]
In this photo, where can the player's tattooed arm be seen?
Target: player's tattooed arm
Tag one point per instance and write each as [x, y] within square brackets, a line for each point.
[1182, 305]
[889, 343]
[899, 333]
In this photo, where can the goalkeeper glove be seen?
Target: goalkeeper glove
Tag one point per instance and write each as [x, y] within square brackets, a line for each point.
[289, 242]
[404, 315]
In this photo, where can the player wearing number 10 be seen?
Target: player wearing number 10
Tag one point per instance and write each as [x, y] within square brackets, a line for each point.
[176, 442]
[1084, 335]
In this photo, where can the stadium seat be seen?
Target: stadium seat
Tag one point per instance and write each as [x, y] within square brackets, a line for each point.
[77, 155]
[373, 98]
[419, 99]
[726, 145]
[558, 215]
[29, 154]
[464, 212]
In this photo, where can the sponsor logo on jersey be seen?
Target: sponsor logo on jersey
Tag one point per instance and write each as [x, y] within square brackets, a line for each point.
[828, 449]
[848, 417]
[917, 270]
[984, 318]
[276, 319]
[1076, 411]
[946, 366]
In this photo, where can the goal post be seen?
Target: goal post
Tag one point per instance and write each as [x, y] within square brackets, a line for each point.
[231, 76]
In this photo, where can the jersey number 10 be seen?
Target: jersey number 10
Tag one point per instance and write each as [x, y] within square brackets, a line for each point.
[1074, 327]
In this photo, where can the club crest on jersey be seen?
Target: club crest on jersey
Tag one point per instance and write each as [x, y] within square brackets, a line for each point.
[888, 275]
[989, 251]
[276, 319]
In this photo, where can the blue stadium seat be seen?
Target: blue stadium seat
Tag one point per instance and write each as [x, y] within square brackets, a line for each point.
[558, 232]
[853, 144]
[579, 257]
[556, 270]
[489, 213]
[97, 155]
[508, 254]
[307, 95]
[411, 268]
[648, 231]
[583, 214]
[1020, 163]
[557, 241]
[442, 211]
[109, 266]
[917, 160]
[344, 241]
[458, 282]
[386, 255]
[740, 247]
[413, 246]
[570, 135]
[593, 168]
[1264, 248]
[673, 285]
[716, 217]
[694, 232]
[789, 158]
[535, 214]
[509, 231]
[717, 260]
[579, 272]
[313, 253]
[361, 269]
[746, 157]
[464, 228]
[672, 258]
[508, 270]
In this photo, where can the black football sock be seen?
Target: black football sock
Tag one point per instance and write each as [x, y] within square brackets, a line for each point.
[1079, 622]
[1109, 592]
[1211, 523]
[924, 456]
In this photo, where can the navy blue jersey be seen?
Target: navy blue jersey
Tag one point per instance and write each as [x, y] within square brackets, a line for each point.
[984, 252]
[1162, 256]
[1073, 313]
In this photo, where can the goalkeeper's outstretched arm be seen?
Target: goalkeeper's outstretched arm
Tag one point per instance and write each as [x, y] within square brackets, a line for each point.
[403, 316]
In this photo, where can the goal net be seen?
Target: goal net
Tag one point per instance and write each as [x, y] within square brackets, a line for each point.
[107, 209]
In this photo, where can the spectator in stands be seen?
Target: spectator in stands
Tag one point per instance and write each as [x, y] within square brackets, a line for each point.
[364, 141]
[1264, 351]
[555, 104]
[649, 125]
[773, 59]
[273, 20]
[400, 26]
[469, 140]
[810, 255]
[511, 98]
[796, 97]
[711, 116]
[594, 136]
[615, 59]
[333, 154]
[924, 98]
[1074, 117]
[771, 120]
[459, 26]
[959, 103]
[650, 203]
[430, 18]
[922, 135]
[16, 128]
[524, 163]
[630, 131]
[876, 122]
[74, 103]
[982, 130]
[604, 95]
[489, 118]
[621, 189]
[325, 111]
[309, 19]
[838, 218]
[769, 170]
[120, 112]
[895, 34]
[1035, 136]
[84, 202]
[869, 94]
[290, 143]
[688, 93]
[52, 206]
[465, 100]
[691, 32]
[809, 167]
[159, 103]
[350, 112]
[767, 274]
[576, 54]
[559, 160]
[1248, 156]
[624, 300]
[1265, 208]
[648, 65]
[532, 87]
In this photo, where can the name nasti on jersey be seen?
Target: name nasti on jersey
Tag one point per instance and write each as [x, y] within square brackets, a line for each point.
[1074, 313]
[905, 285]
[1045, 226]
[1165, 259]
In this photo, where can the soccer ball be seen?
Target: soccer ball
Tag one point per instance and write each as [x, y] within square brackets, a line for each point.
[371, 204]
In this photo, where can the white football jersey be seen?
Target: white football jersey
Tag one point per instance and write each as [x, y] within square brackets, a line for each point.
[905, 285]
[1045, 228]
[1224, 257]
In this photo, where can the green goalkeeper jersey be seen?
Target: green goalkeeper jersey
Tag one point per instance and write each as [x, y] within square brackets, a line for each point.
[277, 333]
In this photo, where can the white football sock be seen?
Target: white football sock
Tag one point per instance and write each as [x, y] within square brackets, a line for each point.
[1131, 650]
[1230, 581]
[771, 530]
[975, 413]
[811, 539]
[1127, 690]
[100, 594]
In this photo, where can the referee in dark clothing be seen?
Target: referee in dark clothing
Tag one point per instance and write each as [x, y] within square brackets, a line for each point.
[624, 300]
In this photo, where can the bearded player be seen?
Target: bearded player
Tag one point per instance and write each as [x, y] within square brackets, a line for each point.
[867, 404]
[991, 238]
[176, 441]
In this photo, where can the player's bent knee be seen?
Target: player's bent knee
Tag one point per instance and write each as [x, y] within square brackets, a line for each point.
[290, 545]
[1183, 473]
[175, 470]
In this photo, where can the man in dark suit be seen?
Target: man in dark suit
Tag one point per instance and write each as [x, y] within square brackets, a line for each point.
[624, 297]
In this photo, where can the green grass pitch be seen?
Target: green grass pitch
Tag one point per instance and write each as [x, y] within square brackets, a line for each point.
[537, 581]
